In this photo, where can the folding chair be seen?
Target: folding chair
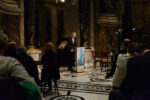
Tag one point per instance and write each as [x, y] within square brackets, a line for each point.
[44, 84]
[105, 61]
[95, 59]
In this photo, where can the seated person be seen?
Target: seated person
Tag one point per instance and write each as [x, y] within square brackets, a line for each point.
[121, 71]
[10, 67]
[10, 50]
[50, 65]
[62, 54]
[136, 85]
[125, 44]
[28, 63]
[121, 68]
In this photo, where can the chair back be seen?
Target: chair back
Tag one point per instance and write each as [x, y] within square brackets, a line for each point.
[9, 89]
[94, 54]
[50, 63]
[105, 57]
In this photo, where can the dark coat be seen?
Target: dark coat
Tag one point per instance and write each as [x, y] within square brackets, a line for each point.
[50, 66]
[136, 85]
[71, 55]
[71, 45]
[30, 66]
[63, 57]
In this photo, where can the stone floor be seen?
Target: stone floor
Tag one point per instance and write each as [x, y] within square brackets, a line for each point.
[88, 85]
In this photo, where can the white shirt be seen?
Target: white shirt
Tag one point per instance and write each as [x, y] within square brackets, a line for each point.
[121, 69]
[73, 40]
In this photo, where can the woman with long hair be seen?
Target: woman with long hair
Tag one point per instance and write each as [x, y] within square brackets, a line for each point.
[50, 65]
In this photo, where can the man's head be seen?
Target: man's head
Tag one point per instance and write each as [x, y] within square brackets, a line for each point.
[73, 35]
[3, 41]
[125, 43]
[141, 48]
[138, 49]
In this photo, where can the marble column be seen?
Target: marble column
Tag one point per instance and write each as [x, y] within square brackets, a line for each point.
[0, 20]
[54, 33]
[22, 39]
[29, 22]
[91, 24]
[71, 19]
[32, 22]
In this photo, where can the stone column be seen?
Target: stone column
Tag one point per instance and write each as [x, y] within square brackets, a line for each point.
[22, 39]
[71, 19]
[91, 24]
[54, 33]
[0, 20]
[32, 22]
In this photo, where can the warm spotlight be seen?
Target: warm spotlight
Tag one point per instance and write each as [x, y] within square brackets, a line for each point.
[62, 0]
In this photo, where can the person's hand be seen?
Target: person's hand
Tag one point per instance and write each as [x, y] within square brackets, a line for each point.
[71, 50]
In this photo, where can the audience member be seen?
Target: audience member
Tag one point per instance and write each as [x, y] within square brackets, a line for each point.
[71, 48]
[136, 85]
[121, 68]
[11, 67]
[63, 54]
[125, 44]
[28, 63]
[120, 72]
[11, 49]
[50, 69]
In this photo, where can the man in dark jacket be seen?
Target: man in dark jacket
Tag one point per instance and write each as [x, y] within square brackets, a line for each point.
[71, 49]
[136, 85]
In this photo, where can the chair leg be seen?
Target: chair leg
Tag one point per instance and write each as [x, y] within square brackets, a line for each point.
[94, 65]
[41, 87]
[56, 87]
[68, 93]
[101, 66]
[44, 90]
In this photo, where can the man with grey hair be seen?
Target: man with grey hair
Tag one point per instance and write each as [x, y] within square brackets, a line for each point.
[71, 49]
[10, 67]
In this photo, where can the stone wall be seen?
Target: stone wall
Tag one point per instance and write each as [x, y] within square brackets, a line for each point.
[140, 19]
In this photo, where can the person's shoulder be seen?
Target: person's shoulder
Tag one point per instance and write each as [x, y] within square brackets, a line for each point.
[10, 61]
[7, 58]
[135, 60]
[124, 56]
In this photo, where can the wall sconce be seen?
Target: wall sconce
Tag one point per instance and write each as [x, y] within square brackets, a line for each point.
[62, 0]
[57, 1]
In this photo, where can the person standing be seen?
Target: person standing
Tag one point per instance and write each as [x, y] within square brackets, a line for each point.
[71, 49]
